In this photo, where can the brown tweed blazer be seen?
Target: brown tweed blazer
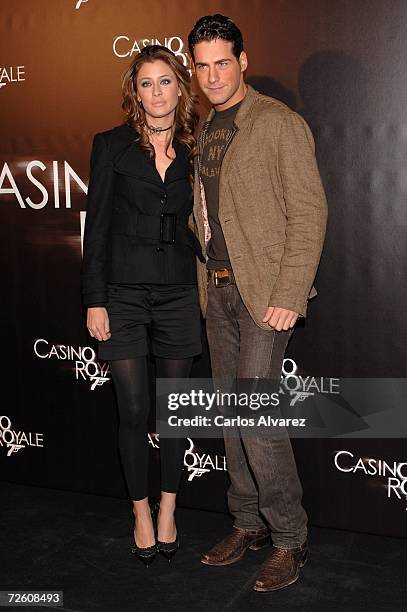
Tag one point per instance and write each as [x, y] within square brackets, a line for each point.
[272, 207]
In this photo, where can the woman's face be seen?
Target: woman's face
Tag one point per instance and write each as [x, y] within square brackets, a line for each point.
[157, 89]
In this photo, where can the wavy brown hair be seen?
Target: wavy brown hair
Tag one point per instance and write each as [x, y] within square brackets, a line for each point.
[186, 117]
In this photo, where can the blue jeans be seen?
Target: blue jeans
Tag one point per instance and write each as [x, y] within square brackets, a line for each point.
[265, 489]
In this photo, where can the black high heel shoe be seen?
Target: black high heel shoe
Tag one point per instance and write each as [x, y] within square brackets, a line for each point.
[146, 555]
[167, 549]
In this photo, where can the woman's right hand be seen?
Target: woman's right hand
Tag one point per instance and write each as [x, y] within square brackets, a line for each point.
[98, 323]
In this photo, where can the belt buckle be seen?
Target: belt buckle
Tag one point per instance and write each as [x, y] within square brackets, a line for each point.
[221, 281]
[164, 228]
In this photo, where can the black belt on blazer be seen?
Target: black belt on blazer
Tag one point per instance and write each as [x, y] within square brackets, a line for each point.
[166, 228]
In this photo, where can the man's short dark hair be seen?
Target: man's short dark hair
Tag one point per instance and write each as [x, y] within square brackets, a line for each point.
[216, 26]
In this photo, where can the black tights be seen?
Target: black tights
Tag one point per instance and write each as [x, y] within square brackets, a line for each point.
[130, 377]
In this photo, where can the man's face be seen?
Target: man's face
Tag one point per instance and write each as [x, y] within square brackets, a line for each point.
[219, 73]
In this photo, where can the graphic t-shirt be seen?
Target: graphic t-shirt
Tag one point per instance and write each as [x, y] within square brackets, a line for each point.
[214, 147]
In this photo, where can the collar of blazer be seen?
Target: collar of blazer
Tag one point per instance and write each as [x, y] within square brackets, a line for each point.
[242, 115]
[244, 109]
[241, 118]
[132, 161]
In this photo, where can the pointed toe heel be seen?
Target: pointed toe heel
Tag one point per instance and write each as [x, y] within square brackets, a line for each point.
[168, 549]
[146, 555]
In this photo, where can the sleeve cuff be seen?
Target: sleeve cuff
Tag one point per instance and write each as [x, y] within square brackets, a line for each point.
[91, 300]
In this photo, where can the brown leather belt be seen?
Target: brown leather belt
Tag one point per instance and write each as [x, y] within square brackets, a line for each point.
[222, 278]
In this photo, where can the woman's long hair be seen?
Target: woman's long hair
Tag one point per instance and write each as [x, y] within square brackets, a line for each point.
[186, 117]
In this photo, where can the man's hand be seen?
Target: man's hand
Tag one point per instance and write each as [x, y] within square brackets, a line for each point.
[98, 323]
[280, 318]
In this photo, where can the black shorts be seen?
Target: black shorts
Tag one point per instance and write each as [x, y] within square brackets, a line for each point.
[163, 320]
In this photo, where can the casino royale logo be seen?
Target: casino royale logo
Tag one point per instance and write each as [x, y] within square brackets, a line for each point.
[302, 387]
[124, 46]
[11, 75]
[86, 367]
[28, 174]
[393, 475]
[198, 464]
[13, 440]
[195, 462]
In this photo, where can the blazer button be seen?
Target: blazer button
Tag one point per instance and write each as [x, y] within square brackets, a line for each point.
[159, 249]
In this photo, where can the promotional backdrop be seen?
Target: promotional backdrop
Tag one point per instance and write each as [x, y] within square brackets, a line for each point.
[341, 64]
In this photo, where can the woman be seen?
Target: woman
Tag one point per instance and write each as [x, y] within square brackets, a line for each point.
[139, 272]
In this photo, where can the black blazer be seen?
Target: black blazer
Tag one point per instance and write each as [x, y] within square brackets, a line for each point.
[136, 228]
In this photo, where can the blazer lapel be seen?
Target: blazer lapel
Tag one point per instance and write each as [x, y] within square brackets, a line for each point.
[238, 138]
[178, 169]
[133, 161]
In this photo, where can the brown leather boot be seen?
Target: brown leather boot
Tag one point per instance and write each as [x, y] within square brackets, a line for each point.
[234, 546]
[281, 568]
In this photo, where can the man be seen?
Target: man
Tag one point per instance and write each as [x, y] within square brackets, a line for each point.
[260, 215]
